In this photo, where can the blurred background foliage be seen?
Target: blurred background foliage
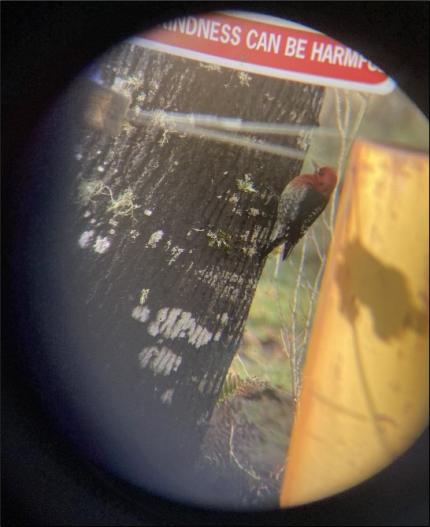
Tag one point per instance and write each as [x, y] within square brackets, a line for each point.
[276, 334]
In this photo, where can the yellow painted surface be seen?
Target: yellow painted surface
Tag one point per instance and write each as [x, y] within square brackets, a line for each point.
[365, 383]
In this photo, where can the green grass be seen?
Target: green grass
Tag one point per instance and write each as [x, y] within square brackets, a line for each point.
[391, 119]
[262, 353]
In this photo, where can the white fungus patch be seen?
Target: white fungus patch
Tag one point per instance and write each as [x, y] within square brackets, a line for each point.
[143, 296]
[146, 355]
[141, 313]
[162, 361]
[224, 319]
[227, 284]
[176, 251]
[213, 278]
[100, 168]
[147, 212]
[164, 138]
[253, 212]
[245, 235]
[255, 234]
[85, 239]
[175, 323]
[155, 238]
[87, 214]
[167, 396]
[102, 244]
[244, 78]
[234, 200]
[249, 251]
[200, 337]
[252, 248]
[154, 327]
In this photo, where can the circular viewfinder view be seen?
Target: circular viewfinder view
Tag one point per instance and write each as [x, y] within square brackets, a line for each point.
[236, 314]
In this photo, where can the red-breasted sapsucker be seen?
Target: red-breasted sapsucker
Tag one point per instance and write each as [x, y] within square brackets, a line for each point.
[300, 204]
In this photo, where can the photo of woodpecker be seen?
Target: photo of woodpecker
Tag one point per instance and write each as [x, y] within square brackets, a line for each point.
[219, 274]
[300, 204]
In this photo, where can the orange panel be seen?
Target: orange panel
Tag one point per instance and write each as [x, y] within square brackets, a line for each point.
[365, 383]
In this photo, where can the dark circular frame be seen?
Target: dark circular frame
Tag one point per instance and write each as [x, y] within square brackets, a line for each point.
[44, 479]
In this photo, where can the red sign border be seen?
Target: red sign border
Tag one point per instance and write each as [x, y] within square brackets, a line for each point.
[381, 88]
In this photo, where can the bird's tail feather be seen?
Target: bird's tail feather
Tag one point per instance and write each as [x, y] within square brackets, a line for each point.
[288, 247]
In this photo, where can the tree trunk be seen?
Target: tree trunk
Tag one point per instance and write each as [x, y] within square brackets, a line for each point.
[165, 254]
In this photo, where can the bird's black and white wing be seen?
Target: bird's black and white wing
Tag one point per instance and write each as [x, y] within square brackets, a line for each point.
[288, 213]
[308, 210]
[298, 208]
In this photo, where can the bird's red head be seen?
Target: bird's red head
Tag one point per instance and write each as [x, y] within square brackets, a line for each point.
[325, 180]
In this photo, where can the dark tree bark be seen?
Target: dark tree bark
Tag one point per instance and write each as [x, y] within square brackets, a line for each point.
[163, 255]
